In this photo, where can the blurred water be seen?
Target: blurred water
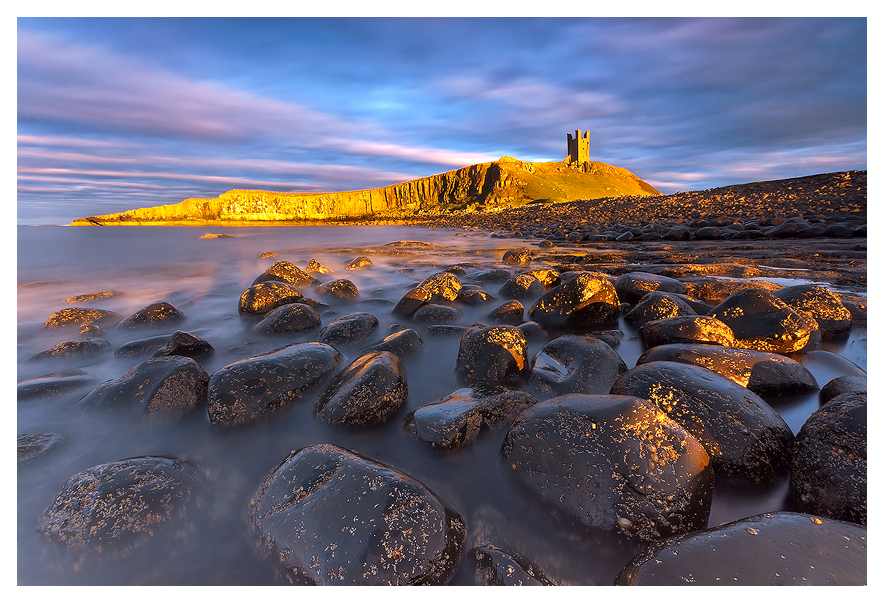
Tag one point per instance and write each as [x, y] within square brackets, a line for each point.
[204, 278]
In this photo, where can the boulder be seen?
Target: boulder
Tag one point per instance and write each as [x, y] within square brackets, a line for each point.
[631, 287]
[158, 314]
[474, 296]
[829, 474]
[495, 275]
[82, 347]
[169, 385]
[31, 445]
[761, 321]
[403, 343]
[250, 390]
[285, 272]
[349, 329]
[436, 313]
[367, 392]
[329, 516]
[518, 256]
[54, 384]
[586, 300]
[762, 372]
[831, 315]
[495, 566]
[181, 343]
[339, 289]
[114, 507]
[745, 438]
[289, 318]
[510, 312]
[614, 463]
[412, 301]
[574, 364]
[457, 418]
[143, 347]
[843, 384]
[443, 287]
[522, 287]
[263, 297]
[658, 305]
[358, 263]
[80, 316]
[686, 329]
[778, 548]
[315, 267]
[492, 355]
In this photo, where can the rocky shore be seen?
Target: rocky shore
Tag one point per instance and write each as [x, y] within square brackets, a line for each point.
[603, 448]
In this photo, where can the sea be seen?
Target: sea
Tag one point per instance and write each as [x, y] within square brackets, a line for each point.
[204, 278]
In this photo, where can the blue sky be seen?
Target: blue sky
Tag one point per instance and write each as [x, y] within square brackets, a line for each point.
[121, 113]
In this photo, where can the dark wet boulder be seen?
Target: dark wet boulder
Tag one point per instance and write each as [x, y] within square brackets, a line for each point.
[158, 314]
[574, 364]
[510, 312]
[708, 233]
[80, 316]
[412, 301]
[532, 331]
[745, 438]
[263, 297]
[443, 287]
[518, 256]
[457, 418]
[91, 330]
[631, 287]
[358, 263]
[54, 384]
[778, 548]
[761, 321]
[32, 445]
[829, 475]
[762, 372]
[715, 290]
[171, 385]
[687, 329]
[699, 306]
[831, 315]
[289, 318]
[339, 289]
[249, 390]
[492, 355]
[143, 347]
[495, 275]
[522, 287]
[328, 516]
[677, 233]
[658, 305]
[182, 343]
[403, 343]
[843, 384]
[495, 566]
[79, 348]
[285, 272]
[367, 392]
[586, 300]
[114, 507]
[446, 331]
[474, 296]
[614, 463]
[436, 313]
[349, 329]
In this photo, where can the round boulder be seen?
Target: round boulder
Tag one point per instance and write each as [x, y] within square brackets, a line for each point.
[518, 256]
[843, 384]
[412, 301]
[54, 384]
[158, 314]
[761, 321]
[829, 474]
[289, 318]
[436, 314]
[687, 329]
[614, 463]
[79, 317]
[508, 313]
[82, 347]
[328, 516]
[495, 566]
[169, 385]
[443, 287]
[339, 289]
[574, 364]
[349, 329]
[522, 287]
[743, 435]
[252, 389]
[457, 418]
[831, 315]
[658, 305]
[262, 297]
[114, 507]
[184, 344]
[367, 392]
[32, 445]
[631, 287]
[586, 300]
[285, 272]
[403, 343]
[493, 355]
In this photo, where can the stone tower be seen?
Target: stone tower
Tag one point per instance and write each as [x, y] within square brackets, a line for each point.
[579, 147]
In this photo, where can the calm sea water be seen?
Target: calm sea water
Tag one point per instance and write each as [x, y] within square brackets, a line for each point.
[204, 279]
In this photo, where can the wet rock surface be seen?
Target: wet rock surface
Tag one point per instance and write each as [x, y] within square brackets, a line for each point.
[158, 314]
[831, 315]
[182, 343]
[574, 364]
[395, 530]
[367, 392]
[658, 305]
[339, 289]
[289, 318]
[285, 272]
[492, 355]
[844, 384]
[115, 506]
[80, 316]
[779, 548]
[761, 321]
[495, 566]
[687, 329]
[612, 463]
[252, 389]
[32, 445]
[829, 474]
[586, 300]
[457, 418]
[632, 287]
[743, 435]
[168, 385]
[54, 384]
[349, 329]
[82, 347]
[263, 297]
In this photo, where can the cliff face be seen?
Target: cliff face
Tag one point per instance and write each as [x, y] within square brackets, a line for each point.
[505, 183]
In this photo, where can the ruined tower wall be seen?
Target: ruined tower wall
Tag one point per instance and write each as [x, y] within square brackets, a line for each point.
[579, 147]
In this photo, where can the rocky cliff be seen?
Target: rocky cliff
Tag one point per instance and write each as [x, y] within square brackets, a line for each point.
[505, 183]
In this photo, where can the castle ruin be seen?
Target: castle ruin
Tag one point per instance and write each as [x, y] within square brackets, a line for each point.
[579, 147]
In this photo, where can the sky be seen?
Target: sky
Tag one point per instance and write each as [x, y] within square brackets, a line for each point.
[115, 114]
